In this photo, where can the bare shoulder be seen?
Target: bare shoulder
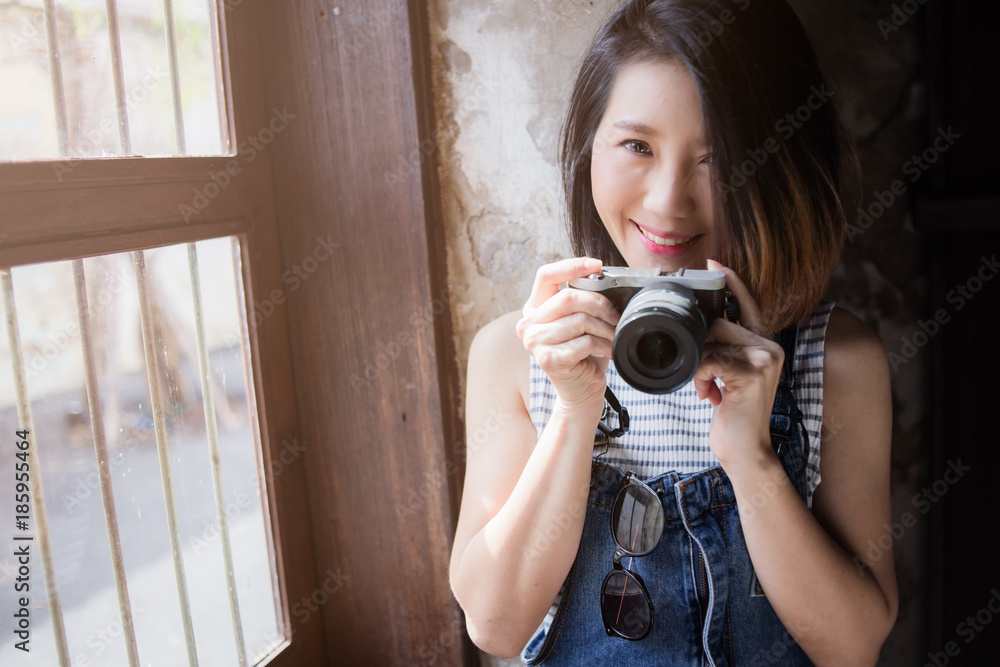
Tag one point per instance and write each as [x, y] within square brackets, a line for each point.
[498, 351]
[853, 356]
[857, 418]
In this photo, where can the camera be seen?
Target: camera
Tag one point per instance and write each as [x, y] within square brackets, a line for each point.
[664, 321]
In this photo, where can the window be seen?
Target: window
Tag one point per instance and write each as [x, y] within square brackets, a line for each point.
[142, 80]
[123, 79]
[214, 513]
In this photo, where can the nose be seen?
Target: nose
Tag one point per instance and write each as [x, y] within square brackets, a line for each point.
[668, 192]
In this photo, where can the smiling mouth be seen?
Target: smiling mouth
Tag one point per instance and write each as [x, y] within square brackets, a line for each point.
[667, 243]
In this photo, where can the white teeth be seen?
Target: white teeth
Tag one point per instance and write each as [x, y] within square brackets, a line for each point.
[666, 242]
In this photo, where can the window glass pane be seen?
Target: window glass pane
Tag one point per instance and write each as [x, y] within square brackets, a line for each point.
[85, 51]
[53, 355]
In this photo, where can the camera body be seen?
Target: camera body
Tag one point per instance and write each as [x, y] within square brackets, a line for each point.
[665, 318]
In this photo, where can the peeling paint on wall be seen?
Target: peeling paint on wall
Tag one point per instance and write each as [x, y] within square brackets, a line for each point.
[502, 73]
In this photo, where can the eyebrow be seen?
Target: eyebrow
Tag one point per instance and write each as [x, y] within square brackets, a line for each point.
[635, 126]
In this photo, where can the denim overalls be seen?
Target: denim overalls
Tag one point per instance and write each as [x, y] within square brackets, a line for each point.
[708, 608]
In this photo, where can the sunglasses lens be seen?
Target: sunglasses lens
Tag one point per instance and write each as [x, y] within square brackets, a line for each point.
[637, 519]
[625, 606]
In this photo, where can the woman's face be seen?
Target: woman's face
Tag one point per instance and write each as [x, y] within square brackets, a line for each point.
[651, 169]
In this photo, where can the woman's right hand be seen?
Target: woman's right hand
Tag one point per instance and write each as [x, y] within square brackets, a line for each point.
[569, 332]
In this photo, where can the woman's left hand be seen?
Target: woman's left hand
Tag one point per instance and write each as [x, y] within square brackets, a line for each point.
[749, 364]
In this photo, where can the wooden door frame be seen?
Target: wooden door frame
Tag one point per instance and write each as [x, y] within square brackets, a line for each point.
[384, 456]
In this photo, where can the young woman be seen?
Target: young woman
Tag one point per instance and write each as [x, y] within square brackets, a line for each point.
[698, 130]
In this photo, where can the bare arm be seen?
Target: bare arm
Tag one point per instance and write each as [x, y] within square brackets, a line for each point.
[837, 606]
[502, 574]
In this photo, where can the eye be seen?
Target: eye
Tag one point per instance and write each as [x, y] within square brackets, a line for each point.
[709, 159]
[636, 146]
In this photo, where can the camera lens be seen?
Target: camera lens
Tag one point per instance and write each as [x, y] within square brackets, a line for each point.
[656, 350]
[659, 339]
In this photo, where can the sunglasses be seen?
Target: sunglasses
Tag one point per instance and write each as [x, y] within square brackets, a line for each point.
[637, 527]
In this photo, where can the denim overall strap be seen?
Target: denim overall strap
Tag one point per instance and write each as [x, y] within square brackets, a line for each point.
[708, 607]
[786, 418]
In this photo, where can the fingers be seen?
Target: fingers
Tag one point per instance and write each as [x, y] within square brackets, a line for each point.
[569, 301]
[707, 389]
[738, 364]
[569, 331]
[728, 345]
[551, 276]
[726, 332]
[749, 312]
[568, 313]
[716, 365]
[567, 355]
[566, 328]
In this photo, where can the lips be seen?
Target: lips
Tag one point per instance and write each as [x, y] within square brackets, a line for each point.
[665, 242]
[668, 242]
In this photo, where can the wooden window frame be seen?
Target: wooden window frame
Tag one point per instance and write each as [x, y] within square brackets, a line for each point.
[64, 209]
[333, 509]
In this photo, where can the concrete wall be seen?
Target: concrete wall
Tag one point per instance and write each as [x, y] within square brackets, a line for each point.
[503, 72]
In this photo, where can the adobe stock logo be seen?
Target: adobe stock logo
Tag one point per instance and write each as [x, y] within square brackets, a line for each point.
[967, 629]
[786, 126]
[915, 167]
[900, 16]
[958, 297]
[923, 501]
[247, 151]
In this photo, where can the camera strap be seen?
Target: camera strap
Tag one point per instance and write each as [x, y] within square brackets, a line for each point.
[611, 403]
